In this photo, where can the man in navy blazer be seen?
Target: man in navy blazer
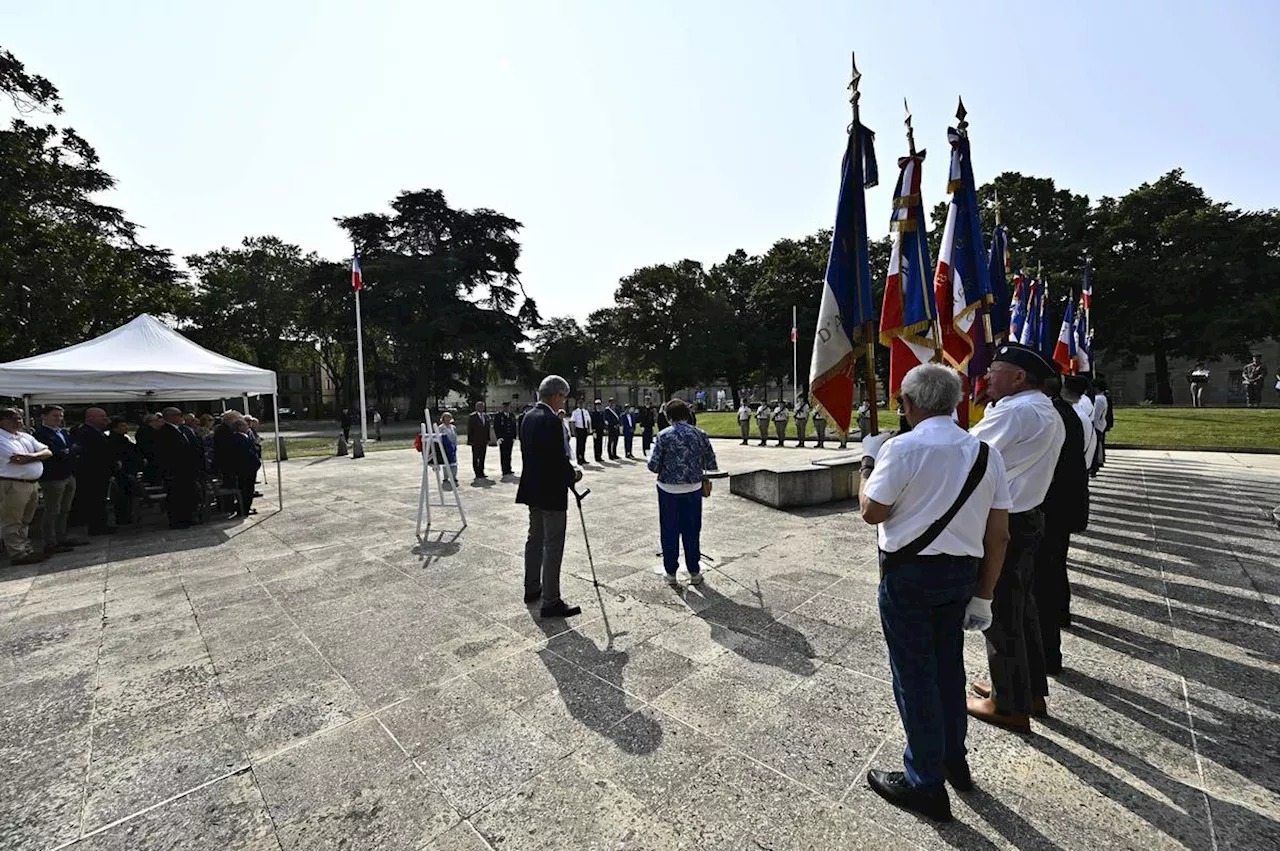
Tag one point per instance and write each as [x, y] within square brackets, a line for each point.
[545, 480]
[57, 482]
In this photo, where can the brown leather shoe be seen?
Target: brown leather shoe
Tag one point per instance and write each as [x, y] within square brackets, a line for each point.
[981, 689]
[984, 709]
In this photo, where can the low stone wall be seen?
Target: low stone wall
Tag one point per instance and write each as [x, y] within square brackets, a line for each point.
[794, 487]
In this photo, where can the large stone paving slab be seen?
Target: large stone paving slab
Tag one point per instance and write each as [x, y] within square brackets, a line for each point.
[318, 678]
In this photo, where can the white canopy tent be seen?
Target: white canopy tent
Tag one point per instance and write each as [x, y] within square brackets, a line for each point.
[141, 360]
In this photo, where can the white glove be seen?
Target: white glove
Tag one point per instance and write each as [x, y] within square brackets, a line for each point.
[977, 615]
[871, 445]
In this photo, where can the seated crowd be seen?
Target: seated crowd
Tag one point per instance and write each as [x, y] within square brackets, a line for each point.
[81, 472]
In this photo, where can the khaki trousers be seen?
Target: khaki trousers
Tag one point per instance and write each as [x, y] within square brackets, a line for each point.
[18, 501]
[58, 496]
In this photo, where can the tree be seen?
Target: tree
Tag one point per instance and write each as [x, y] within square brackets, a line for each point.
[70, 266]
[248, 299]
[1181, 275]
[562, 348]
[444, 286]
[732, 282]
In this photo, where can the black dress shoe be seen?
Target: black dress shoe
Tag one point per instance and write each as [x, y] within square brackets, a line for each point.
[894, 788]
[104, 530]
[958, 775]
[560, 610]
[532, 596]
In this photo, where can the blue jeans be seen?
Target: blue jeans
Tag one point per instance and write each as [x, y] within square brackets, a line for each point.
[680, 520]
[922, 605]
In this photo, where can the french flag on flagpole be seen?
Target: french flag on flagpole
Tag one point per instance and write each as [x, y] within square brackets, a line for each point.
[357, 281]
[1064, 353]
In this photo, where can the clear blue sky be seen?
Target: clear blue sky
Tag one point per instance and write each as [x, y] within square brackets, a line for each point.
[629, 133]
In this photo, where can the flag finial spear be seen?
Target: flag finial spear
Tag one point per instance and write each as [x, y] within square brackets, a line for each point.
[911, 134]
[961, 112]
[854, 94]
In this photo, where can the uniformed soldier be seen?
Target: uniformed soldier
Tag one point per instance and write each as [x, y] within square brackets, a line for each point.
[1023, 426]
[820, 425]
[648, 418]
[780, 418]
[764, 416]
[744, 421]
[802, 419]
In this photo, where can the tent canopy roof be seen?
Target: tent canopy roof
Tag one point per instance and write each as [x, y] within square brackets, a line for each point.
[142, 359]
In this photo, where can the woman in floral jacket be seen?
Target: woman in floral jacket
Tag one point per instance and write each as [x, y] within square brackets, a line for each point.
[680, 455]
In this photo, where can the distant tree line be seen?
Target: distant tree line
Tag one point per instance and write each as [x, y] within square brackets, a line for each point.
[1175, 273]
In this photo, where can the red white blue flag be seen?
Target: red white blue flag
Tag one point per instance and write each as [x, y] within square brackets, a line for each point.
[1064, 351]
[357, 281]
[846, 294]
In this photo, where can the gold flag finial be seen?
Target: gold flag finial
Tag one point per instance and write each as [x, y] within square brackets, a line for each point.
[961, 112]
[911, 133]
[854, 94]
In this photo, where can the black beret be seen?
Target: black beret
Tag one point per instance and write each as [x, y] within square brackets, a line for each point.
[1075, 383]
[1025, 358]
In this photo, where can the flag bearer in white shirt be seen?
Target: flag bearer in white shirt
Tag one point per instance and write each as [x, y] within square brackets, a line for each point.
[744, 421]
[1025, 428]
[21, 465]
[941, 499]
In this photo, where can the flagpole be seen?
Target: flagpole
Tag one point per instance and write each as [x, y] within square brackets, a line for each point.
[364, 426]
[795, 360]
[869, 335]
[920, 243]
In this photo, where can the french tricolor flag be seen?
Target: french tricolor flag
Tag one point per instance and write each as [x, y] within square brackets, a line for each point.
[1064, 353]
[357, 281]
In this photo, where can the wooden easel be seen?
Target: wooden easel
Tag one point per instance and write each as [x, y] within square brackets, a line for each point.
[433, 442]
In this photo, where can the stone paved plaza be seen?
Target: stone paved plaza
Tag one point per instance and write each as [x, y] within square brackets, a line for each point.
[317, 678]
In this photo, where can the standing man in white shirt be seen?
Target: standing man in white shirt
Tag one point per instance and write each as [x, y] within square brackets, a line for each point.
[802, 419]
[1101, 420]
[580, 423]
[744, 421]
[1074, 388]
[764, 416]
[941, 499]
[21, 465]
[1023, 426]
[780, 417]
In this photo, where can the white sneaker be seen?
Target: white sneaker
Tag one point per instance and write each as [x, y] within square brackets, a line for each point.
[670, 579]
[695, 578]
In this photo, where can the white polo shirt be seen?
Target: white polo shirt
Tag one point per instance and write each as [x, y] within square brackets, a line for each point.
[1084, 410]
[920, 474]
[581, 419]
[1027, 431]
[744, 414]
[1100, 405]
[20, 444]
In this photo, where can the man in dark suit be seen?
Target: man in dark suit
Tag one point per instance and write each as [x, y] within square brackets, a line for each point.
[57, 482]
[478, 438]
[95, 462]
[1066, 510]
[545, 478]
[504, 423]
[597, 431]
[180, 457]
[612, 422]
[648, 417]
[245, 462]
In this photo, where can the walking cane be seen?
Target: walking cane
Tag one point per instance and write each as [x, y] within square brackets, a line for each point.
[580, 497]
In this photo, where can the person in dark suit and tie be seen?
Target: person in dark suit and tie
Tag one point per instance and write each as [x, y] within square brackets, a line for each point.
[545, 479]
[612, 422]
[648, 418]
[57, 482]
[597, 430]
[245, 462]
[95, 462]
[180, 457]
[504, 423]
[478, 438]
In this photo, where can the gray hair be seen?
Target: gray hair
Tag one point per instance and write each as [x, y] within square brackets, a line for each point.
[933, 388]
[552, 385]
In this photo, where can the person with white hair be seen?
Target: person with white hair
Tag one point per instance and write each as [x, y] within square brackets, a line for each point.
[546, 476]
[940, 499]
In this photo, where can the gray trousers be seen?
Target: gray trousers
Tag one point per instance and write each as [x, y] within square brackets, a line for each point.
[746, 429]
[58, 496]
[1015, 648]
[543, 552]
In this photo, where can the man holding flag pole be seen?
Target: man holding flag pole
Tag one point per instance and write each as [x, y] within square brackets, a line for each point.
[846, 319]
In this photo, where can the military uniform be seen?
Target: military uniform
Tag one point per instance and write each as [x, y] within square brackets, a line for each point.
[820, 425]
[780, 417]
[744, 421]
[802, 419]
[763, 417]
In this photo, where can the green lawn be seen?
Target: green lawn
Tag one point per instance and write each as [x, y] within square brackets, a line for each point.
[1189, 428]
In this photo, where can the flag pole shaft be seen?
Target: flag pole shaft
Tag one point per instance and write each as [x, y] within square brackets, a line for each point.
[364, 427]
[795, 360]
[869, 337]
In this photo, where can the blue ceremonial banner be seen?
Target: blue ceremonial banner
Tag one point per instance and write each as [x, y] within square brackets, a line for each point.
[1044, 336]
[846, 298]
[998, 272]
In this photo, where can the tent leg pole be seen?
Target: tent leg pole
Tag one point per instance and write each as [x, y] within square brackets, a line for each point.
[275, 410]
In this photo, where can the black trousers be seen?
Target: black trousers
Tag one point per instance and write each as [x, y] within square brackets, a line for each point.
[613, 443]
[505, 445]
[246, 482]
[597, 440]
[1052, 590]
[478, 451]
[646, 439]
[580, 437]
[91, 500]
[122, 499]
[1014, 650]
[183, 498]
